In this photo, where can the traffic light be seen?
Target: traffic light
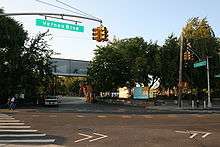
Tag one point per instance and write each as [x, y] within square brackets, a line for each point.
[185, 56]
[104, 34]
[100, 34]
[190, 56]
[96, 34]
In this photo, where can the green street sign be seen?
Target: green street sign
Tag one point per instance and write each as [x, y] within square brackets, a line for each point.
[217, 76]
[59, 25]
[199, 64]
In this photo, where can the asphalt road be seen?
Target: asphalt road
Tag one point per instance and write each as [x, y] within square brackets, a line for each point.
[82, 129]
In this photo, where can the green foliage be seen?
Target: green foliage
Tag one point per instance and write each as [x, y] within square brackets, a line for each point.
[122, 62]
[169, 62]
[201, 37]
[67, 85]
[25, 65]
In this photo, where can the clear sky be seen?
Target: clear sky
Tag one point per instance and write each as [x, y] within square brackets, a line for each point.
[151, 19]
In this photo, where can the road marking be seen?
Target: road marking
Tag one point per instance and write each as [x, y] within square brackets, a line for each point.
[5, 130]
[29, 141]
[147, 116]
[9, 120]
[89, 137]
[80, 116]
[126, 116]
[195, 133]
[23, 135]
[2, 118]
[5, 116]
[102, 136]
[204, 136]
[35, 115]
[4, 124]
[200, 116]
[53, 116]
[101, 116]
[14, 127]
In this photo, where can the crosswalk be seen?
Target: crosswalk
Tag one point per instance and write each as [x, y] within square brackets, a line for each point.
[15, 131]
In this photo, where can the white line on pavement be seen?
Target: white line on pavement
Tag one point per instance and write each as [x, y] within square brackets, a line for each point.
[126, 116]
[102, 136]
[14, 127]
[101, 116]
[35, 115]
[147, 116]
[193, 135]
[6, 116]
[3, 118]
[22, 135]
[29, 141]
[5, 130]
[5, 124]
[87, 137]
[206, 135]
[53, 116]
[81, 116]
[9, 120]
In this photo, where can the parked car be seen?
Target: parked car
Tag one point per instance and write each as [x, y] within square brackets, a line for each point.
[51, 100]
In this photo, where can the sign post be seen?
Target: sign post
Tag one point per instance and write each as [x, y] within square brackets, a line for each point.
[208, 79]
[203, 63]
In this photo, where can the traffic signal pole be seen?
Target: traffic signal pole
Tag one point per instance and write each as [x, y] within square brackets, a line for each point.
[180, 71]
[208, 81]
[51, 14]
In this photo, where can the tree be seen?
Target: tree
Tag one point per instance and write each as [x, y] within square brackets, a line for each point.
[12, 40]
[201, 37]
[25, 64]
[124, 61]
[36, 65]
[169, 63]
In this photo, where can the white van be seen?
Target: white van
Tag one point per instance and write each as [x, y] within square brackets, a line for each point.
[51, 100]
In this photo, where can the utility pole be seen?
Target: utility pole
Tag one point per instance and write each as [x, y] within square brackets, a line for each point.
[208, 81]
[180, 71]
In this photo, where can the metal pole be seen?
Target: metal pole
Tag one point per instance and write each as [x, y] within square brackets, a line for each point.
[208, 80]
[180, 71]
[51, 14]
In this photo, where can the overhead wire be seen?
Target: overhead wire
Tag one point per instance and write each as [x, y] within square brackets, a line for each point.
[76, 9]
[46, 3]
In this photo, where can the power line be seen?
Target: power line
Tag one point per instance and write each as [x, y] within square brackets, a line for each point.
[76, 9]
[58, 7]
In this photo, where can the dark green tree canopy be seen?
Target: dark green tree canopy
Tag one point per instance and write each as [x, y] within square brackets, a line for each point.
[124, 61]
[24, 62]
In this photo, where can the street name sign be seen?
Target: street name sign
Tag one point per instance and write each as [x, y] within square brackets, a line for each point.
[217, 76]
[199, 64]
[59, 25]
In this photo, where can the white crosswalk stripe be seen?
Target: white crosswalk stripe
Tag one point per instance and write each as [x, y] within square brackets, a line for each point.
[8, 124]
[29, 141]
[14, 127]
[2, 118]
[14, 131]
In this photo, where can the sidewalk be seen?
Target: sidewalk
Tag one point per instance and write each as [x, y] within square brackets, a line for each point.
[163, 107]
